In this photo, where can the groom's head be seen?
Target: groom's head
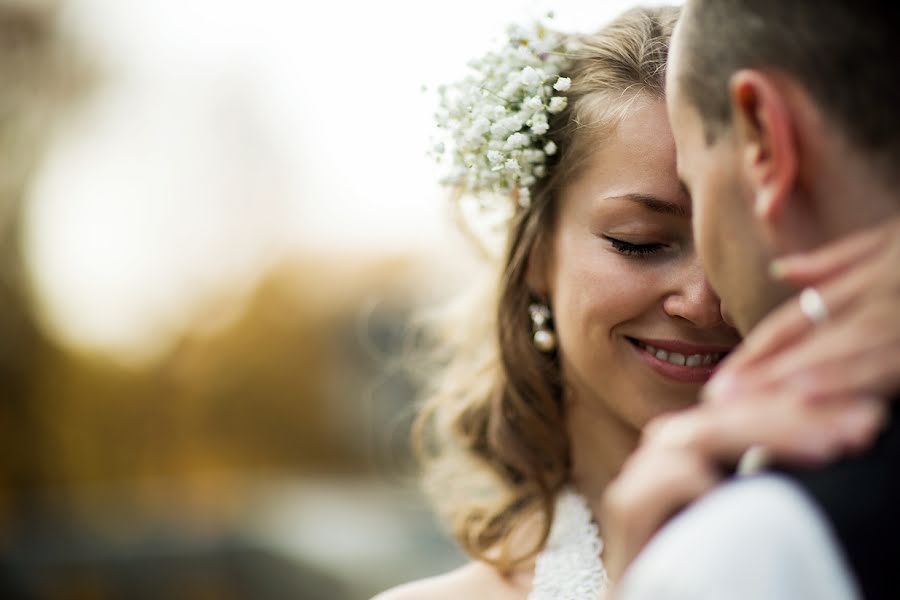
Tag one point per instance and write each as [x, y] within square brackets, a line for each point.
[786, 115]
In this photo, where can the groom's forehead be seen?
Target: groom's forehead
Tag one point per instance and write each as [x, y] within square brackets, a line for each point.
[674, 66]
[676, 104]
[675, 55]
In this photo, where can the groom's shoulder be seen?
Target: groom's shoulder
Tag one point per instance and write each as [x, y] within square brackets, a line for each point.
[859, 496]
[762, 531]
[473, 580]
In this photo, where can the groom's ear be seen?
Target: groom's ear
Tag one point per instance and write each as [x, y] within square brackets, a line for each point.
[767, 150]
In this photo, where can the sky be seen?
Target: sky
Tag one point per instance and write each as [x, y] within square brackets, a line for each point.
[225, 135]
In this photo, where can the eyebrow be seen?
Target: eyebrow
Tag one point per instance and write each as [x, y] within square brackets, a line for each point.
[657, 205]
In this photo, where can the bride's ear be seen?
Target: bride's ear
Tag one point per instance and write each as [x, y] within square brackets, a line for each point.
[766, 145]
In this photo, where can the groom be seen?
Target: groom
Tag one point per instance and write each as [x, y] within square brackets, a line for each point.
[786, 115]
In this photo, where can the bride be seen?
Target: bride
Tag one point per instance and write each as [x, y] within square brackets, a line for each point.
[603, 319]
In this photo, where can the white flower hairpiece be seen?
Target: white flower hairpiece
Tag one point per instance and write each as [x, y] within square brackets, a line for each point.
[496, 119]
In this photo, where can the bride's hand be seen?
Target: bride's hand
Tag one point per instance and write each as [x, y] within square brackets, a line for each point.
[856, 351]
[684, 455]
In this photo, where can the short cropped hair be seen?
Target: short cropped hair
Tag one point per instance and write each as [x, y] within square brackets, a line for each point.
[846, 54]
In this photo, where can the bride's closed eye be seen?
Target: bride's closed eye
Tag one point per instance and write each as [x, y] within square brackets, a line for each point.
[636, 250]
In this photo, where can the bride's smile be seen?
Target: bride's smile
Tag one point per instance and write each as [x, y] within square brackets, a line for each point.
[679, 360]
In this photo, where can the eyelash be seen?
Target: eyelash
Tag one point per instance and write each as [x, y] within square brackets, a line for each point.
[636, 250]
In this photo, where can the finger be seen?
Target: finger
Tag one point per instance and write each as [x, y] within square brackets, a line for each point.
[650, 489]
[835, 361]
[783, 327]
[871, 373]
[787, 326]
[832, 259]
[654, 484]
[683, 479]
[793, 431]
[870, 378]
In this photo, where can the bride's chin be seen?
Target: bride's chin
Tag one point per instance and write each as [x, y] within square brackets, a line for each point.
[667, 398]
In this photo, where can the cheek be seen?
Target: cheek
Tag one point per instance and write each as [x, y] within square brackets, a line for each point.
[594, 292]
[704, 219]
[708, 213]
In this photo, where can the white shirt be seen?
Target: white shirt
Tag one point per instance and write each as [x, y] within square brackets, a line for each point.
[757, 537]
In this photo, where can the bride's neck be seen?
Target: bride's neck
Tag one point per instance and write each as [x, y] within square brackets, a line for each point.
[600, 444]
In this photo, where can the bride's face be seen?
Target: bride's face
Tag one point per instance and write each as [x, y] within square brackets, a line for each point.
[639, 328]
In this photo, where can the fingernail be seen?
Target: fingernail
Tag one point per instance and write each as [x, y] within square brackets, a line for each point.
[754, 460]
[777, 269]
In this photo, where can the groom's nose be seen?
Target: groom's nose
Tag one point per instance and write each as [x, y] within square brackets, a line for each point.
[695, 301]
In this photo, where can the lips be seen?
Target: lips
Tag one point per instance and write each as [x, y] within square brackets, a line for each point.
[680, 361]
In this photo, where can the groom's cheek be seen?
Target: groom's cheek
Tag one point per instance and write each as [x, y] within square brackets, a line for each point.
[704, 220]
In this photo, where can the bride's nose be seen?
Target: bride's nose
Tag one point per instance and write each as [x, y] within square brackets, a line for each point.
[694, 300]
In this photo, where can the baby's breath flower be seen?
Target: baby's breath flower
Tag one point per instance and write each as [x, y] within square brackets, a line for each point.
[524, 197]
[539, 124]
[530, 76]
[562, 84]
[540, 128]
[557, 104]
[524, 54]
[517, 140]
[534, 104]
[481, 126]
[496, 119]
[534, 156]
[511, 89]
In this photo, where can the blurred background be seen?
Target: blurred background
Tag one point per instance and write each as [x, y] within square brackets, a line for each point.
[218, 223]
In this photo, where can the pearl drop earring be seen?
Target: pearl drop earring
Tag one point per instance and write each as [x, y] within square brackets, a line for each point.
[542, 337]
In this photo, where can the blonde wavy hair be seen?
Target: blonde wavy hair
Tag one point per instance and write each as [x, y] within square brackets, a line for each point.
[492, 438]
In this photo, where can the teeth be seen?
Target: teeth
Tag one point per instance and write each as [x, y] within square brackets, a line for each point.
[694, 360]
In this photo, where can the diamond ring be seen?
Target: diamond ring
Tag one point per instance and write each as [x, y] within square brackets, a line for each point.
[813, 306]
